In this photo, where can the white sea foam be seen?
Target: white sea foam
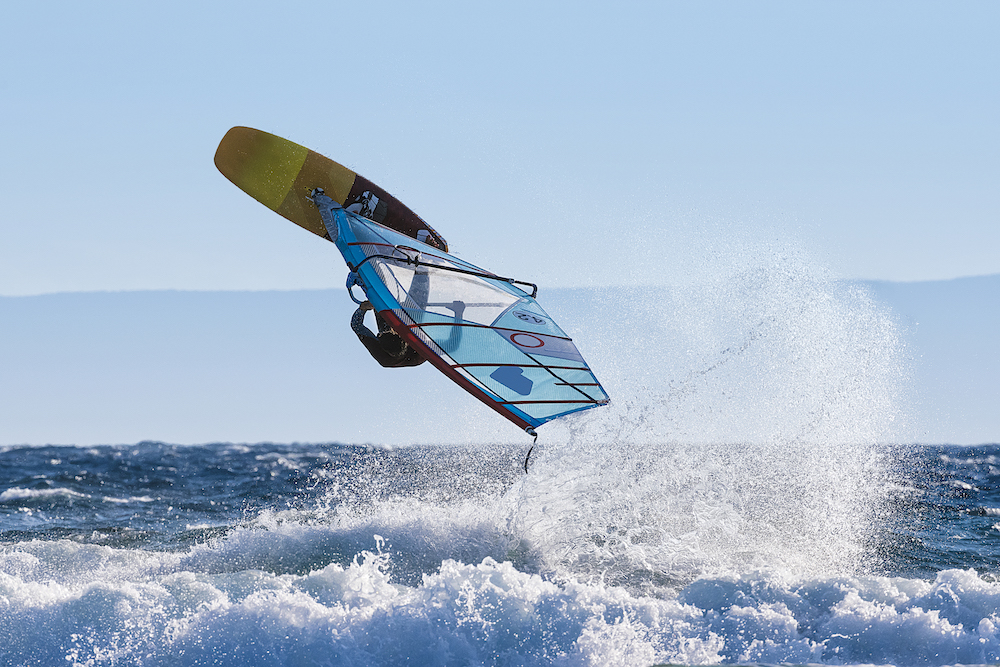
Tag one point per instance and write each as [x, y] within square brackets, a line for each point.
[17, 493]
[130, 499]
[141, 607]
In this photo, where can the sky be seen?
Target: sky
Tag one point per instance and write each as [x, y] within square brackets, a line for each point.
[568, 144]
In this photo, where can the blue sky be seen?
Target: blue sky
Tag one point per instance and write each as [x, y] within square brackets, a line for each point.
[565, 143]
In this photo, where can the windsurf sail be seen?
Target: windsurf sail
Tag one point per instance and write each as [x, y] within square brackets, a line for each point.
[483, 331]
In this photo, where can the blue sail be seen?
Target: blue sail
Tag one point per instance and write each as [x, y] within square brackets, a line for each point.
[481, 330]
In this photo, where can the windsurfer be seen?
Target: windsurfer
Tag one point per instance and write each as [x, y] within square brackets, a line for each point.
[386, 347]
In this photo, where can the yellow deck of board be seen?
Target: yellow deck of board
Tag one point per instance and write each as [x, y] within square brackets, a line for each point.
[280, 174]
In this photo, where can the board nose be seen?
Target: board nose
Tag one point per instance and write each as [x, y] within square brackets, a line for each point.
[259, 163]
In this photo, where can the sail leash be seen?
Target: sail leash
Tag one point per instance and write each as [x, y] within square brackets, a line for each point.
[530, 431]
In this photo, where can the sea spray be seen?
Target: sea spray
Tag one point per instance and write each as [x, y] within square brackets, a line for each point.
[747, 431]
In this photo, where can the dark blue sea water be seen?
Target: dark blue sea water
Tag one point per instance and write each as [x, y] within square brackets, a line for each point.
[273, 554]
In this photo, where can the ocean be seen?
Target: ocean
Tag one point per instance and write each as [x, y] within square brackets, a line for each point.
[327, 554]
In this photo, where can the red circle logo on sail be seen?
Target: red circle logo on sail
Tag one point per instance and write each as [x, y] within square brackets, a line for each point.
[532, 341]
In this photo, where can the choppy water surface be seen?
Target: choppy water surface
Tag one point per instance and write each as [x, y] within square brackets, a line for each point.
[327, 554]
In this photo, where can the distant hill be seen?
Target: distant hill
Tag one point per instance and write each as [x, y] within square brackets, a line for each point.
[184, 367]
